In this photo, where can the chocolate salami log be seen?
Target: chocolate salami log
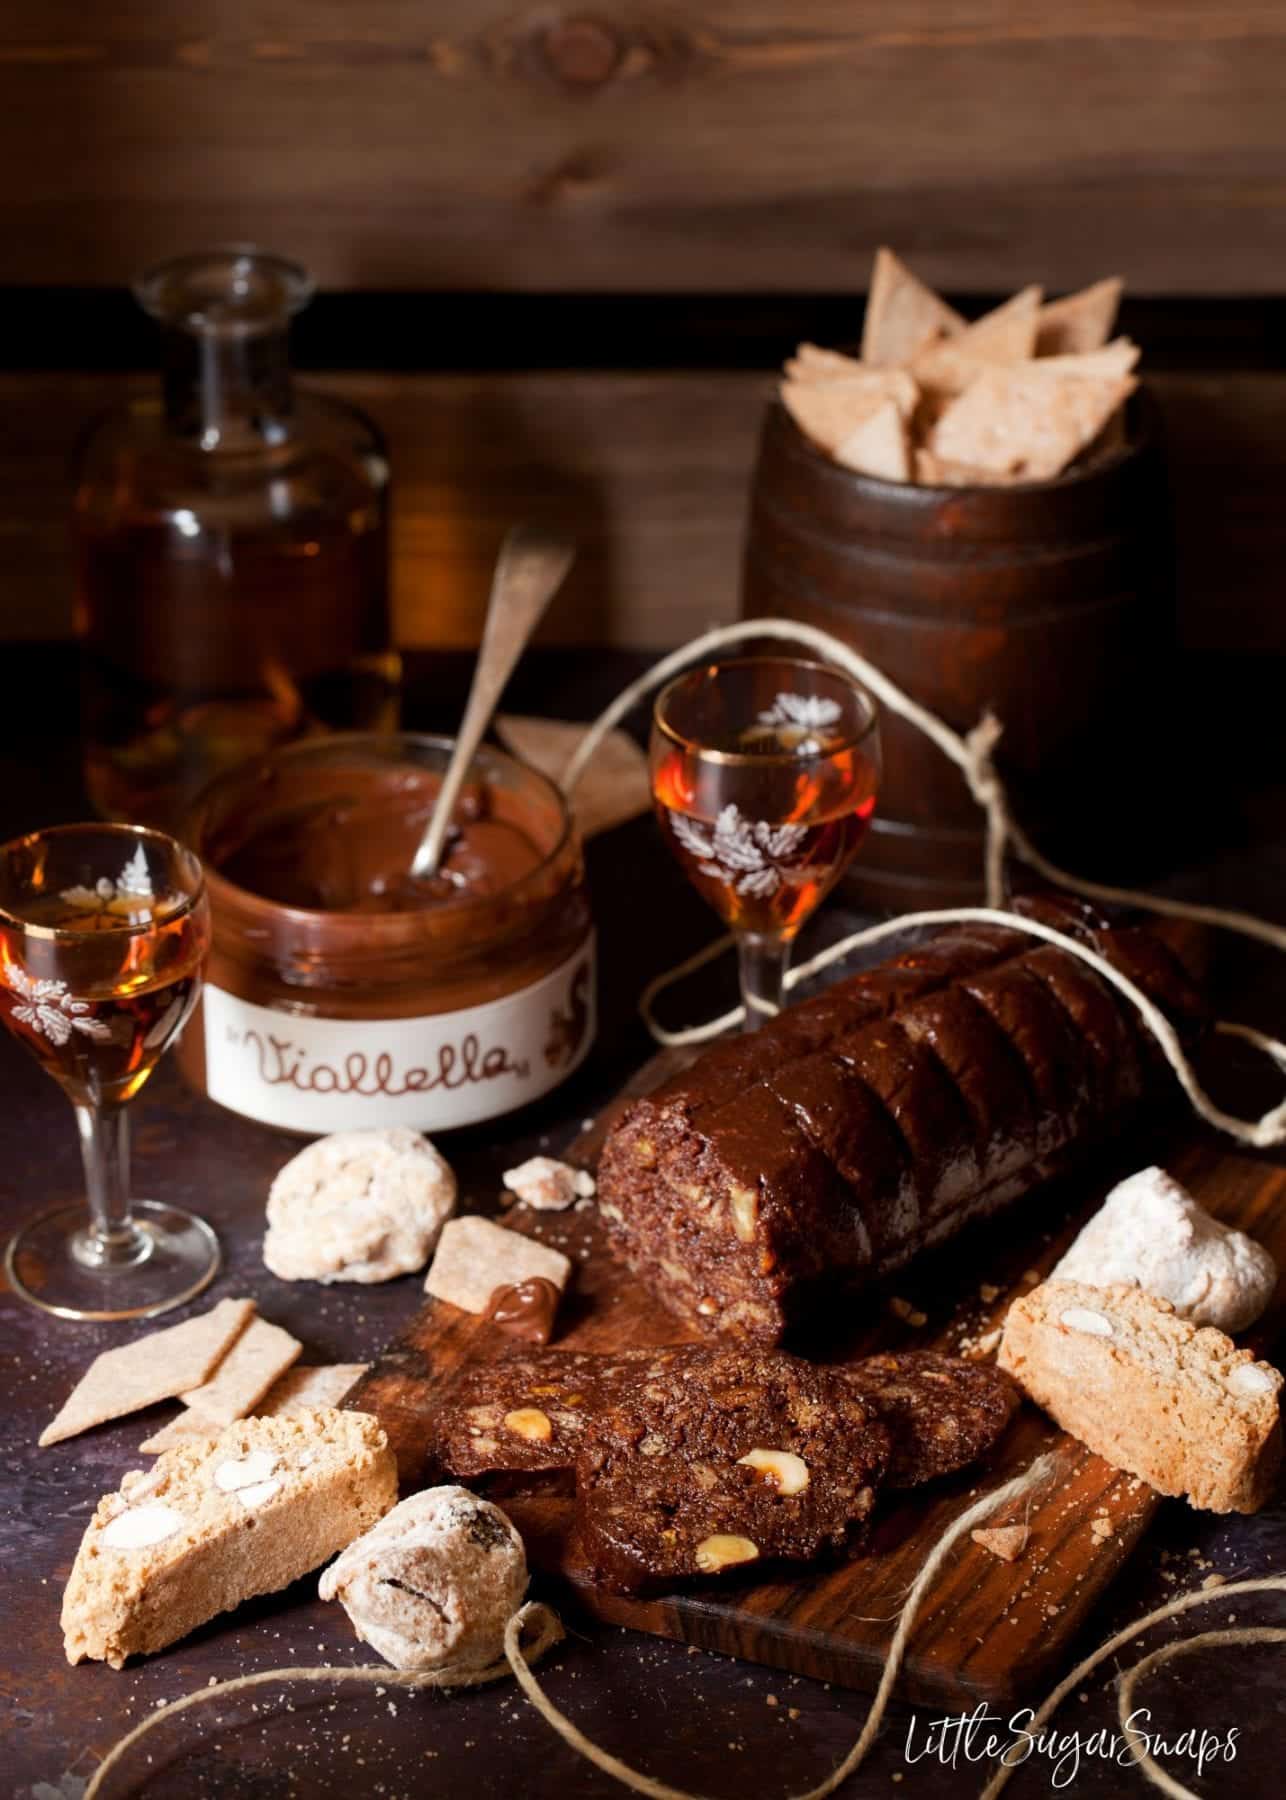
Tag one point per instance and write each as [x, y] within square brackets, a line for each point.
[832, 1145]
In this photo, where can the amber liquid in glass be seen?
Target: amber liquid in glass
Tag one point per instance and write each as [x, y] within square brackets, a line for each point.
[99, 1010]
[200, 652]
[765, 842]
[231, 550]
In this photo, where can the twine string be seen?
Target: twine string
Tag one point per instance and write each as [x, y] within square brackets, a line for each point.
[545, 1622]
[1025, 1482]
[974, 755]
[1171, 1610]
[1204, 1640]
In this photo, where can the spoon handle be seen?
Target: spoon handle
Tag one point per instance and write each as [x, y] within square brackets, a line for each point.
[530, 569]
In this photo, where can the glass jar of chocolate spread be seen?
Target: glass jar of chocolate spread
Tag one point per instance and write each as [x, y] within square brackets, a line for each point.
[344, 994]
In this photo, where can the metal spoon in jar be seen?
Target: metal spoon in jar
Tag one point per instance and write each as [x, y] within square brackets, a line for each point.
[533, 561]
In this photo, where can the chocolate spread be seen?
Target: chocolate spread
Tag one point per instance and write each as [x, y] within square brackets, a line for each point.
[335, 839]
[526, 1310]
[341, 989]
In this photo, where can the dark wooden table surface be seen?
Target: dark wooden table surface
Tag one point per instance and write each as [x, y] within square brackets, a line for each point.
[716, 1727]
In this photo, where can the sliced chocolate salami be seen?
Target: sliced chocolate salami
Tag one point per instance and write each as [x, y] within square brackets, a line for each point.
[725, 1460]
[941, 1411]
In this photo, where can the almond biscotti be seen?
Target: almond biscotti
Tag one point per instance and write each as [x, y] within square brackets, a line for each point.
[1175, 1403]
[244, 1511]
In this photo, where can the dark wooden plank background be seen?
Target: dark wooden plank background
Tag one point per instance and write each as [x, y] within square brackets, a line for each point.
[652, 471]
[703, 144]
[680, 161]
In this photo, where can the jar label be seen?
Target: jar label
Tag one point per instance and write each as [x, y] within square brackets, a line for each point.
[324, 1074]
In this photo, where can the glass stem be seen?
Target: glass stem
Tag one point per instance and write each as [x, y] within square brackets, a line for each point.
[762, 964]
[112, 1236]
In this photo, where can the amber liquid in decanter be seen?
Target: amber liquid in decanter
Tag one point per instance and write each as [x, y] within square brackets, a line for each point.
[764, 843]
[100, 1005]
[231, 551]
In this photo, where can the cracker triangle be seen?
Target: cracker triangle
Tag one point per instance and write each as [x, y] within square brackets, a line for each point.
[1079, 322]
[1025, 422]
[1005, 335]
[811, 363]
[1008, 332]
[902, 314]
[1114, 359]
[154, 1367]
[830, 411]
[878, 446]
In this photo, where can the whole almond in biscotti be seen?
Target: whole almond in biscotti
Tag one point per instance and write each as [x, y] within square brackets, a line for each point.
[941, 1412]
[1151, 1233]
[243, 1512]
[1174, 1403]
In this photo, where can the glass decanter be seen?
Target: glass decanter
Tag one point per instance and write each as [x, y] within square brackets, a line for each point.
[231, 549]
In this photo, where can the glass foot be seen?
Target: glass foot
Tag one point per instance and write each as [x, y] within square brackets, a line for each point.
[47, 1267]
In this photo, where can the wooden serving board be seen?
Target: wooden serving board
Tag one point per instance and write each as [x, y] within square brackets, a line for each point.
[989, 1629]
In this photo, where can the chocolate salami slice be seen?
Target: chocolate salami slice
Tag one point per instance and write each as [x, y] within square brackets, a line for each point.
[723, 1461]
[526, 1414]
[941, 1411]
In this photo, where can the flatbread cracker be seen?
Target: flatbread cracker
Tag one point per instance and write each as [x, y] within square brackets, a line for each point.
[811, 363]
[827, 412]
[613, 789]
[902, 314]
[1116, 358]
[932, 471]
[474, 1257]
[259, 1356]
[184, 1428]
[1026, 423]
[1007, 334]
[878, 446]
[322, 1384]
[157, 1366]
[1079, 322]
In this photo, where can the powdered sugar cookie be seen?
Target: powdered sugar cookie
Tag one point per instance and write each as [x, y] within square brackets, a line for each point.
[434, 1583]
[358, 1206]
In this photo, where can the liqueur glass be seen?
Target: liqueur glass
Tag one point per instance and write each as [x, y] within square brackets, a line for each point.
[764, 777]
[104, 930]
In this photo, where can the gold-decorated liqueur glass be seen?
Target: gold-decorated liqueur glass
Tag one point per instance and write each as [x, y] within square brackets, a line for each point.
[104, 931]
[765, 772]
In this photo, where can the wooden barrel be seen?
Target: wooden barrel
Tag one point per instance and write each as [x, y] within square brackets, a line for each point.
[1050, 603]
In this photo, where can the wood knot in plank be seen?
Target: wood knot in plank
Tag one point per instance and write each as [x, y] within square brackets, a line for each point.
[581, 53]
